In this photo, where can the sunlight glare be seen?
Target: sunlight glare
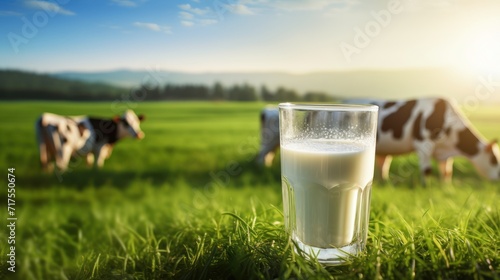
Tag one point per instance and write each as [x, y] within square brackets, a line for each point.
[482, 55]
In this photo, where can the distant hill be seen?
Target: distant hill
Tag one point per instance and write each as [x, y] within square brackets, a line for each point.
[406, 83]
[19, 85]
[16, 84]
[390, 84]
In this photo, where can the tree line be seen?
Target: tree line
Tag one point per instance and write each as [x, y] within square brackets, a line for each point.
[18, 85]
[238, 92]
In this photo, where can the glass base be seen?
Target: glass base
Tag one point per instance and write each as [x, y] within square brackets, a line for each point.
[329, 256]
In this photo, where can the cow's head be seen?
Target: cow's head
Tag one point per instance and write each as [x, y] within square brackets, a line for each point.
[488, 161]
[129, 125]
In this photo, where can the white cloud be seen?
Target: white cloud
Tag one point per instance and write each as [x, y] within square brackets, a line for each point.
[191, 15]
[297, 5]
[340, 6]
[212, 14]
[147, 25]
[239, 9]
[187, 23]
[193, 10]
[207, 21]
[153, 27]
[48, 6]
[185, 15]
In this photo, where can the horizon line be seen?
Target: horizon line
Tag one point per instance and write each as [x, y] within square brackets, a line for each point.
[201, 72]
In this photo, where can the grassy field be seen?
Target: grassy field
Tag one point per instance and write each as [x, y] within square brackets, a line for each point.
[187, 202]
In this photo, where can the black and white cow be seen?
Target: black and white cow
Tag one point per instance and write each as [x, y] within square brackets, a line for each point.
[431, 127]
[62, 137]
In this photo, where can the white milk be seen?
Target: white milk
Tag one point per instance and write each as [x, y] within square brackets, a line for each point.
[327, 183]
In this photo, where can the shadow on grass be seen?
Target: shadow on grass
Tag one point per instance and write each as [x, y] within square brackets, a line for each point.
[244, 173]
[235, 173]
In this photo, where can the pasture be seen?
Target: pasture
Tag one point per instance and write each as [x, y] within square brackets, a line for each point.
[187, 202]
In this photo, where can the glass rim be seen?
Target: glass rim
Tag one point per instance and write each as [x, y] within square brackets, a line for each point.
[329, 107]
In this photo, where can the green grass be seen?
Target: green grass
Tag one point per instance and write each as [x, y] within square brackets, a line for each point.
[155, 210]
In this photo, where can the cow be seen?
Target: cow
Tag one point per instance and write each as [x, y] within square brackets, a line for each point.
[433, 128]
[62, 137]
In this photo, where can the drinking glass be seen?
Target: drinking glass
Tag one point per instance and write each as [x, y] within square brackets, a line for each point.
[327, 165]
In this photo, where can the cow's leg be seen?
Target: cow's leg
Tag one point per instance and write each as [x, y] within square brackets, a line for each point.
[268, 159]
[58, 149]
[43, 153]
[110, 150]
[42, 147]
[90, 159]
[446, 169]
[267, 153]
[43, 156]
[65, 156]
[383, 164]
[63, 162]
[50, 152]
[49, 158]
[424, 150]
[261, 157]
[100, 155]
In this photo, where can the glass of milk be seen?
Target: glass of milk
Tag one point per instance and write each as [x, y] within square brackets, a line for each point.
[327, 162]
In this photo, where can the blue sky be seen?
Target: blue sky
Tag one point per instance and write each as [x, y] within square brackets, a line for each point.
[248, 35]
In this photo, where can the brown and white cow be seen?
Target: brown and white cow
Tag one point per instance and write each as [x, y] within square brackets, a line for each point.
[431, 127]
[62, 137]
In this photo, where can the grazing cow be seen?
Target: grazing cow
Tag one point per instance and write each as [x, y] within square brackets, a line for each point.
[61, 137]
[431, 127]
